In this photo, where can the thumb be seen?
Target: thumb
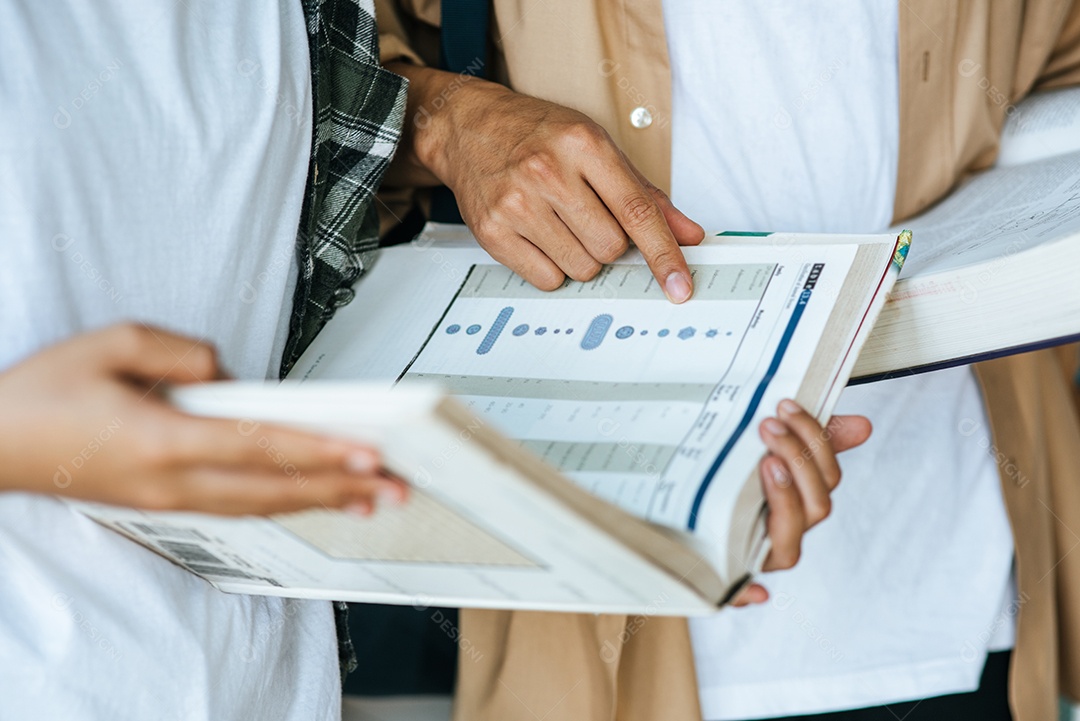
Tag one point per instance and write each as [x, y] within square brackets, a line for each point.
[152, 355]
[846, 432]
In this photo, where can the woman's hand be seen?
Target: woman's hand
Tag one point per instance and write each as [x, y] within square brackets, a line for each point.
[798, 475]
[85, 419]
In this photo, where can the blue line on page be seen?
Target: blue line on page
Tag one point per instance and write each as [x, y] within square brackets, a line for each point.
[755, 401]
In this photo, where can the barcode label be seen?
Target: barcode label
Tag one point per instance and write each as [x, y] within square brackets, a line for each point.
[194, 556]
[189, 553]
[189, 534]
[221, 572]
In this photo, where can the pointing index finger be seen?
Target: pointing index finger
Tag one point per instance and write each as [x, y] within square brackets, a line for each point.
[637, 211]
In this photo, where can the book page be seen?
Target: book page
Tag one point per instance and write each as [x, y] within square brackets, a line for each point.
[405, 534]
[638, 416]
[649, 405]
[1041, 126]
[457, 542]
[478, 529]
[996, 214]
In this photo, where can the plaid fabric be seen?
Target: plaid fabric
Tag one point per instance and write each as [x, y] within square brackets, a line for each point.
[359, 113]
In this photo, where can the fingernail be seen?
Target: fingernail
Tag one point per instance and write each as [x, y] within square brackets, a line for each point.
[362, 462]
[359, 508]
[677, 286]
[391, 494]
[780, 474]
[789, 407]
[775, 427]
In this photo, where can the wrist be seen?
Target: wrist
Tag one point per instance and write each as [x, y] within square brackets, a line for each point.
[443, 108]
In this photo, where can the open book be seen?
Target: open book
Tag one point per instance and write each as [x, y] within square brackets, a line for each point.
[599, 454]
[991, 272]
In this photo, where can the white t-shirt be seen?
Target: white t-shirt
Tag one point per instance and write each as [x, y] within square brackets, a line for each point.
[786, 118]
[153, 157]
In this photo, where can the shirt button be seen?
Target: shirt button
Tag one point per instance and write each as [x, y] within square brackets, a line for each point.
[342, 296]
[640, 118]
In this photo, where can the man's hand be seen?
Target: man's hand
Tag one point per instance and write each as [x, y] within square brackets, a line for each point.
[798, 475]
[542, 187]
[84, 419]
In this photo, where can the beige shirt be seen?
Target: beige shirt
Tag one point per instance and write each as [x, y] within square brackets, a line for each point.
[608, 58]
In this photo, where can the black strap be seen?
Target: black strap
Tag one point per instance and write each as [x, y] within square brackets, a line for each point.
[463, 49]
